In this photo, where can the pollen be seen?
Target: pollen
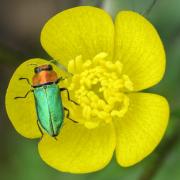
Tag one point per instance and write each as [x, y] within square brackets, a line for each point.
[101, 88]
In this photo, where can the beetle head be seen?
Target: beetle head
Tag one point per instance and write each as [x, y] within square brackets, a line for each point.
[46, 67]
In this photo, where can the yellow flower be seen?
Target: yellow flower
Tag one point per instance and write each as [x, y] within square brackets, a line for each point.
[109, 62]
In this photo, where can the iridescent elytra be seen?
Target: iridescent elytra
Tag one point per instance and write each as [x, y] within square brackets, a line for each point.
[48, 102]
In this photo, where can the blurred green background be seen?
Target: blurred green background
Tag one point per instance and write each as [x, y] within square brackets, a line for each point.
[20, 24]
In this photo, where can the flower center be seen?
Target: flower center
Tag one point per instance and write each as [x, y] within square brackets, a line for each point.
[100, 88]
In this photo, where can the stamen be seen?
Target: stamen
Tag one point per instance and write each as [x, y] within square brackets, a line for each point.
[100, 87]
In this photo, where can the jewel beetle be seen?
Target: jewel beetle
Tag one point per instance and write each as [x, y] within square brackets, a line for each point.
[48, 102]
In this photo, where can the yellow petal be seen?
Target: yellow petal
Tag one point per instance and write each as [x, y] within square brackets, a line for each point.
[78, 149]
[22, 112]
[82, 30]
[141, 129]
[139, 48]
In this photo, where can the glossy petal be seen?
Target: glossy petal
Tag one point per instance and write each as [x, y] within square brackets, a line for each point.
[139, 48]
[142, 128]
[79, 150]
[82, 30]
[22, 112]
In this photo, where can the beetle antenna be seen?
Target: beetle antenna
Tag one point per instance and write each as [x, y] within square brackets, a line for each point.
[33, 64]
[59, 65]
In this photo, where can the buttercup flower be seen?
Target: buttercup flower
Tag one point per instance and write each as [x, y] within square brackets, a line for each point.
[108, 64]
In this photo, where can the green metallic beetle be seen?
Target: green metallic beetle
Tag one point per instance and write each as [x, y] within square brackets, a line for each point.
[49, 108]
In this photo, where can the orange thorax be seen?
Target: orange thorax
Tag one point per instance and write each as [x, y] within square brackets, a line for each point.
[44, 77]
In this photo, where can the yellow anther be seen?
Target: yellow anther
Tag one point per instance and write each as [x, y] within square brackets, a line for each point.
[109, 65]
[91, 125]
[100, 88]
[87, 112]
[101, 103]
[99, 57]
[88, 83]
[71, 66]
[78, 64]
[127, 83]
[87, 64]
[119, 67]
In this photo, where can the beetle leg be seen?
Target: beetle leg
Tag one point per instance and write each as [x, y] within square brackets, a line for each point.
[17, 97]
[55, 137]
[65, 89]
[61, 78]
[26, 80]
[67, 116]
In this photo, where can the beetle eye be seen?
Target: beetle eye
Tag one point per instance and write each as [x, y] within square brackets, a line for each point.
[36, 70]
[49, 68]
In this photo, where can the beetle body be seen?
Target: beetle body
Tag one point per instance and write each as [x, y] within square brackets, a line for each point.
[49, 108]
[48, 101]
